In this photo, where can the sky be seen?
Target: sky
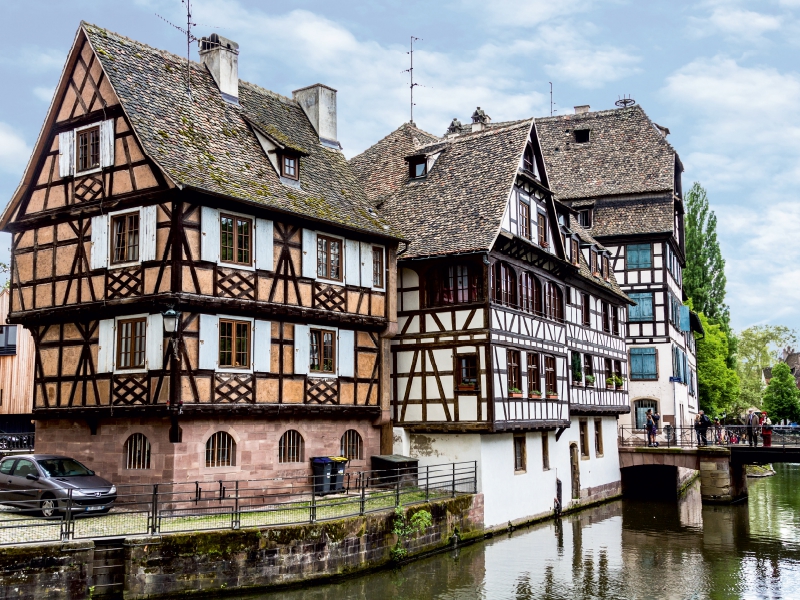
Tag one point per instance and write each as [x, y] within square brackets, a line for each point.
[722, 75]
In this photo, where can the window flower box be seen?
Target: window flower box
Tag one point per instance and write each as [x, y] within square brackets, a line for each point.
[535, 394]
[552, 396]
[514, 393]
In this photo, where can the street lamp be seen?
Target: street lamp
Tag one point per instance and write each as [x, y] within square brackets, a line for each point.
[171, 317]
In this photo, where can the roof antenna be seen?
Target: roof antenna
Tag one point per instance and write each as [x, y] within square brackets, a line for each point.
[410, 71]
[551, 97]
[625, 101]
[189, 39]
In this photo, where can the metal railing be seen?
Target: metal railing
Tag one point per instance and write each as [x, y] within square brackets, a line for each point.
[726, 436]
[212, 505]
[17, 442]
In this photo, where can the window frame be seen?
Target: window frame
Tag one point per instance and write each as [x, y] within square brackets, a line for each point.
[638, 249]
[296, 448]
[328, 255]
[284, 173]
[126, 215]
[598, 438]
[588, 136]
[118, 323]
[413, 163]
[636, 318]
[321, 331]
[460, 385]
[235, 321]
[436, 294]
[513, 371]
[545, 451]
[504, 284]
[139, 454]
[79, 131]
[635, 351]
[229, 448]
[576, 252]
[550, 375]
[541, 229]
[524, 220]
[583, 438]
[586, 310]
[534, 371]
[251, 244]
[587, 222]
[354, 438]
[377, 252]
[520, 453]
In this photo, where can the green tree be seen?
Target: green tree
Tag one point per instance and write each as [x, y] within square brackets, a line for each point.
[704, 276]
[759, 347]
[782, 398]
[717, 382]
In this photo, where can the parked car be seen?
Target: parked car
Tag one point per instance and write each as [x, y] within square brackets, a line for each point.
[42, 482]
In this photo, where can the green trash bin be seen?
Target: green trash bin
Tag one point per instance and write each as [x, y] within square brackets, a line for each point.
[322, 467]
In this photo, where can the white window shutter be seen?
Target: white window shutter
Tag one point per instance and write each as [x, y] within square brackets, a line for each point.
[154, 341]
[66, 153]
[366, 264]
[302, 345]
[105, 348]
[99, 257]
[147, 236]
[309, 253]
[264, 240]
[347, 353]
[209, 236]
[352, 268]
[107, 143]
[262, 346]
[209, 342]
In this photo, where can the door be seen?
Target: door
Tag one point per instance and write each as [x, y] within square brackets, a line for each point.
[575, 471]
[21, 487]
[6, 467]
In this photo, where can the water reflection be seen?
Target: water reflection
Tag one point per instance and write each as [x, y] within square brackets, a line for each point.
[624, 550]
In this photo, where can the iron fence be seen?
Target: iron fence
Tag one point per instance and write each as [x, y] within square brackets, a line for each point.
[212, 505]
[17, 442]
[724, 435]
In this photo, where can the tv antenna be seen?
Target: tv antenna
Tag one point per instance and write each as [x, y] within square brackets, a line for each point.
[551, 97]
[189, 39]
[410, 72]
[625, 101]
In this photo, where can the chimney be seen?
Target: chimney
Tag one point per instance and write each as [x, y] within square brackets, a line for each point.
[221, 56]
[479, 120]
[319, 103]
[582, 109]
[455, 128]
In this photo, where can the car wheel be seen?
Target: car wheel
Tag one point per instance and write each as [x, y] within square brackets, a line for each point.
[49, 506]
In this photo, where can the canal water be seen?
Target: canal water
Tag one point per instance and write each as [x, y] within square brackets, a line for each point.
[624, 549]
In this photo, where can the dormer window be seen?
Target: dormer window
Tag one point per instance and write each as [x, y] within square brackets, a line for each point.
[575, 252]
[593, 261]
[417, 167]
[585, 218]
[542, 229]
[290, 167]
[88, 149]
[527, 159]
[605, 268]
[582, 136]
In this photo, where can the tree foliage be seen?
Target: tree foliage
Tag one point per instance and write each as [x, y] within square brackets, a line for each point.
[704, 276]
[759, 347]
[717, 382]
[782, 398]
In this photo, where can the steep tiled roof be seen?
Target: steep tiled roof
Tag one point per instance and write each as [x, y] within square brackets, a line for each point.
[583, 267]
[630, 216]
[208, 144]
[459, 206]
[626, 154]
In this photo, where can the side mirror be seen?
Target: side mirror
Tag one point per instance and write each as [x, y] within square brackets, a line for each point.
[32, 477]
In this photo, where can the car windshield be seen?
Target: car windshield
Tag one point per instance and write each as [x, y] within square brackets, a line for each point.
[63, 467]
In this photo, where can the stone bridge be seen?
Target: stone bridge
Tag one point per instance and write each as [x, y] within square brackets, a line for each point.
[655, 471]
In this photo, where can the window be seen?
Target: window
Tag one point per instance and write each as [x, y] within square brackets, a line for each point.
[584, 441]
[131, 335]
[555, 302]
[527, 160]
[598, 437]
[291, 447]
[417, 167]
[505, 288]
[137, 452]
[125, 238]
[8, 340]
[458, 284]
[520, 457]
[290, 167]
[514, 375]
[609, 368]
[234, 344]
[576, 253]
[377, 267]
[220, 450]
[542, 227]
[6, 466]
[585, 218]
[467, 372]
[25, 468]
[586, 311]
[614, 320]
[618, 369]
[606, 316]
[351, 445]
[643, 310]
[582, 136]
[530, 293]
[640, 408]
[235, 239]
[323, 351]
[593, 261]
[524, 220]
[550, 381]
[638, 256]
[643, 364]
[88, 149]
[606, 276]
[329, 258]
[679, 366]
[534, 375]
[588, 368]
[545, 451]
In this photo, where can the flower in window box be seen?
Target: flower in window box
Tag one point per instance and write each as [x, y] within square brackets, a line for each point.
[610, 383]
[577, 381]
[466, 387]
[589, 379]
[514, 393]
[552, 395]
[535, 394]
[619, 381]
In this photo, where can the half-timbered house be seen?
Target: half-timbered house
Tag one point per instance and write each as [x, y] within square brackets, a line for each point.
[209, 290]
[510, 320]
[616, 169]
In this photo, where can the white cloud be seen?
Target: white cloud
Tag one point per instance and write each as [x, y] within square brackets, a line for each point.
[735, 23]
[45, 94]
[513, 13]
[35, 59]
[14, 152]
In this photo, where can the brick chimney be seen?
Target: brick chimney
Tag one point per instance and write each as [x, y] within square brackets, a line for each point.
[221, 56]
[319, 103]
[583, 108]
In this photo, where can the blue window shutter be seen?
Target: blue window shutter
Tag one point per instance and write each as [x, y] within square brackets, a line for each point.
[632, 257]
[643, 311]
[643, 363]
[647, 306]
[650, 363]
[685, 325]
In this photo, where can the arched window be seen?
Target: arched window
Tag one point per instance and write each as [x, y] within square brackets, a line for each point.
[452, 284]
[555, 302]
[137, 452]
[352, 445]
[530, 293]
[504, 284]
[640, 408]
[291, 447]
[220, 450]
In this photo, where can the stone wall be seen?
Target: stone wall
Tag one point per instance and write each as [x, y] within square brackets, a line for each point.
[256, 446]
[215, 562]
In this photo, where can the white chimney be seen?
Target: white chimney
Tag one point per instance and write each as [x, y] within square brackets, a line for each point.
[583, 108]
[319, 103]
[221, 56]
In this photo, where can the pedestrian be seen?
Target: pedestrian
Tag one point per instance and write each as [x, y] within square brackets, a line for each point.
[704, 423]
[751, 421]
[648, 428]
[697, 427]
[766, 430]
[718, 431]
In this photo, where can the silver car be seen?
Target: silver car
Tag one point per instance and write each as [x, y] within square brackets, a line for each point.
[42, 483]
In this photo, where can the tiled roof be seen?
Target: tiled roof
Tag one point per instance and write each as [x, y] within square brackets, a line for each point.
[631, 216]
[208, 144]
[459, 205]
[626, 154]
[583, 267]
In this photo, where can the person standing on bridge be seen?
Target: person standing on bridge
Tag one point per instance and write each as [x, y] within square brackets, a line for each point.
[766, 430]
[701, 425]
[752, 421]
